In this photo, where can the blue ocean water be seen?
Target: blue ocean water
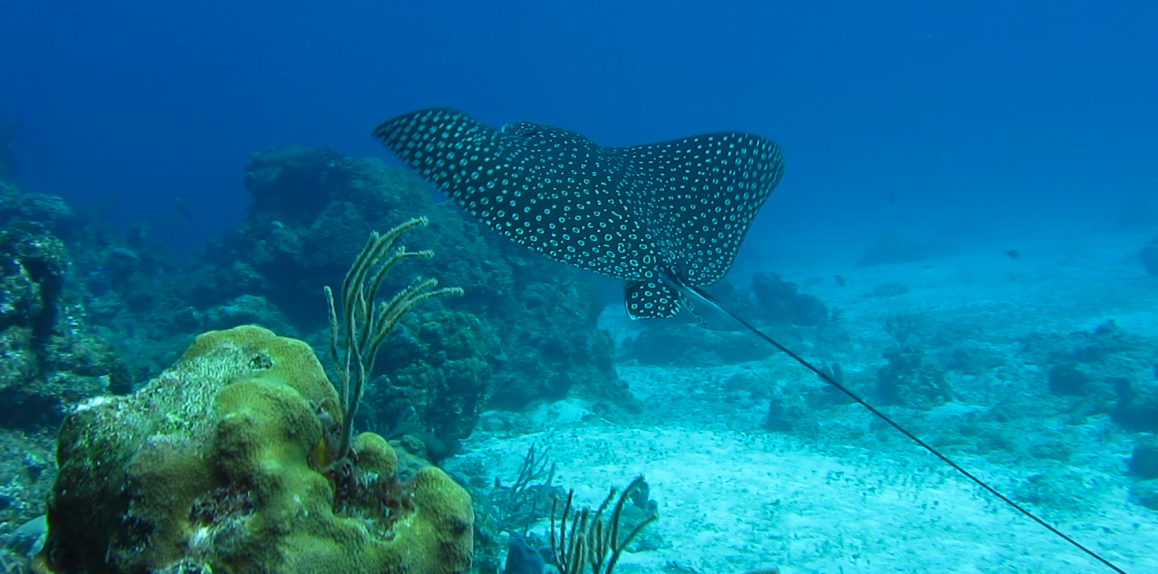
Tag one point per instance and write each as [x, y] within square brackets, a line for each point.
[980, 117]
[969, 195]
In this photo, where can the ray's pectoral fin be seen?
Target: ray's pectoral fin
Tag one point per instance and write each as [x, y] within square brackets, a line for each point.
[651, 300]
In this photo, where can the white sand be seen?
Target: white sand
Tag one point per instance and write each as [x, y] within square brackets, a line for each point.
[732, 502]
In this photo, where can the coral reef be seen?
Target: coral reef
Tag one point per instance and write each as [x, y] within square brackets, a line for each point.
[1104, 377]
[34, 263]
[86, 312]
[26, 476]
[908, 380]
[780, 303]
[45, 211]
[524, 331]
[1106, 370]
[215, 466]
[51, 357]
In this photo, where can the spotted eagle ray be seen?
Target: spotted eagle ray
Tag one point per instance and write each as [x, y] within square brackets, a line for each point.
[666, 218]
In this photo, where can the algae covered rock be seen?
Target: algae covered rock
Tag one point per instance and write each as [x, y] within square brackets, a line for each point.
[219, 465]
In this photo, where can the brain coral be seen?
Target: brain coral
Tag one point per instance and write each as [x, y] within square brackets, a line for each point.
[213, 467]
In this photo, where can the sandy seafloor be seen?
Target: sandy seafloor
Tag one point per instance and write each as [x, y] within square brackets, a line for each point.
[734, 498]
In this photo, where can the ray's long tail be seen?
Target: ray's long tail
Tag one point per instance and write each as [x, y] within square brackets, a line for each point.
[698, 295]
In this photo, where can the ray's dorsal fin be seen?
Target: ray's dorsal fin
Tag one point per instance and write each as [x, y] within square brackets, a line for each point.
[701, 296]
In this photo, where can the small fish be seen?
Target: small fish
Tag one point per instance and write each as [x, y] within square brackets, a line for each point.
[1012, 253]
[892, 198]
[839, 280]
[668, 218]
